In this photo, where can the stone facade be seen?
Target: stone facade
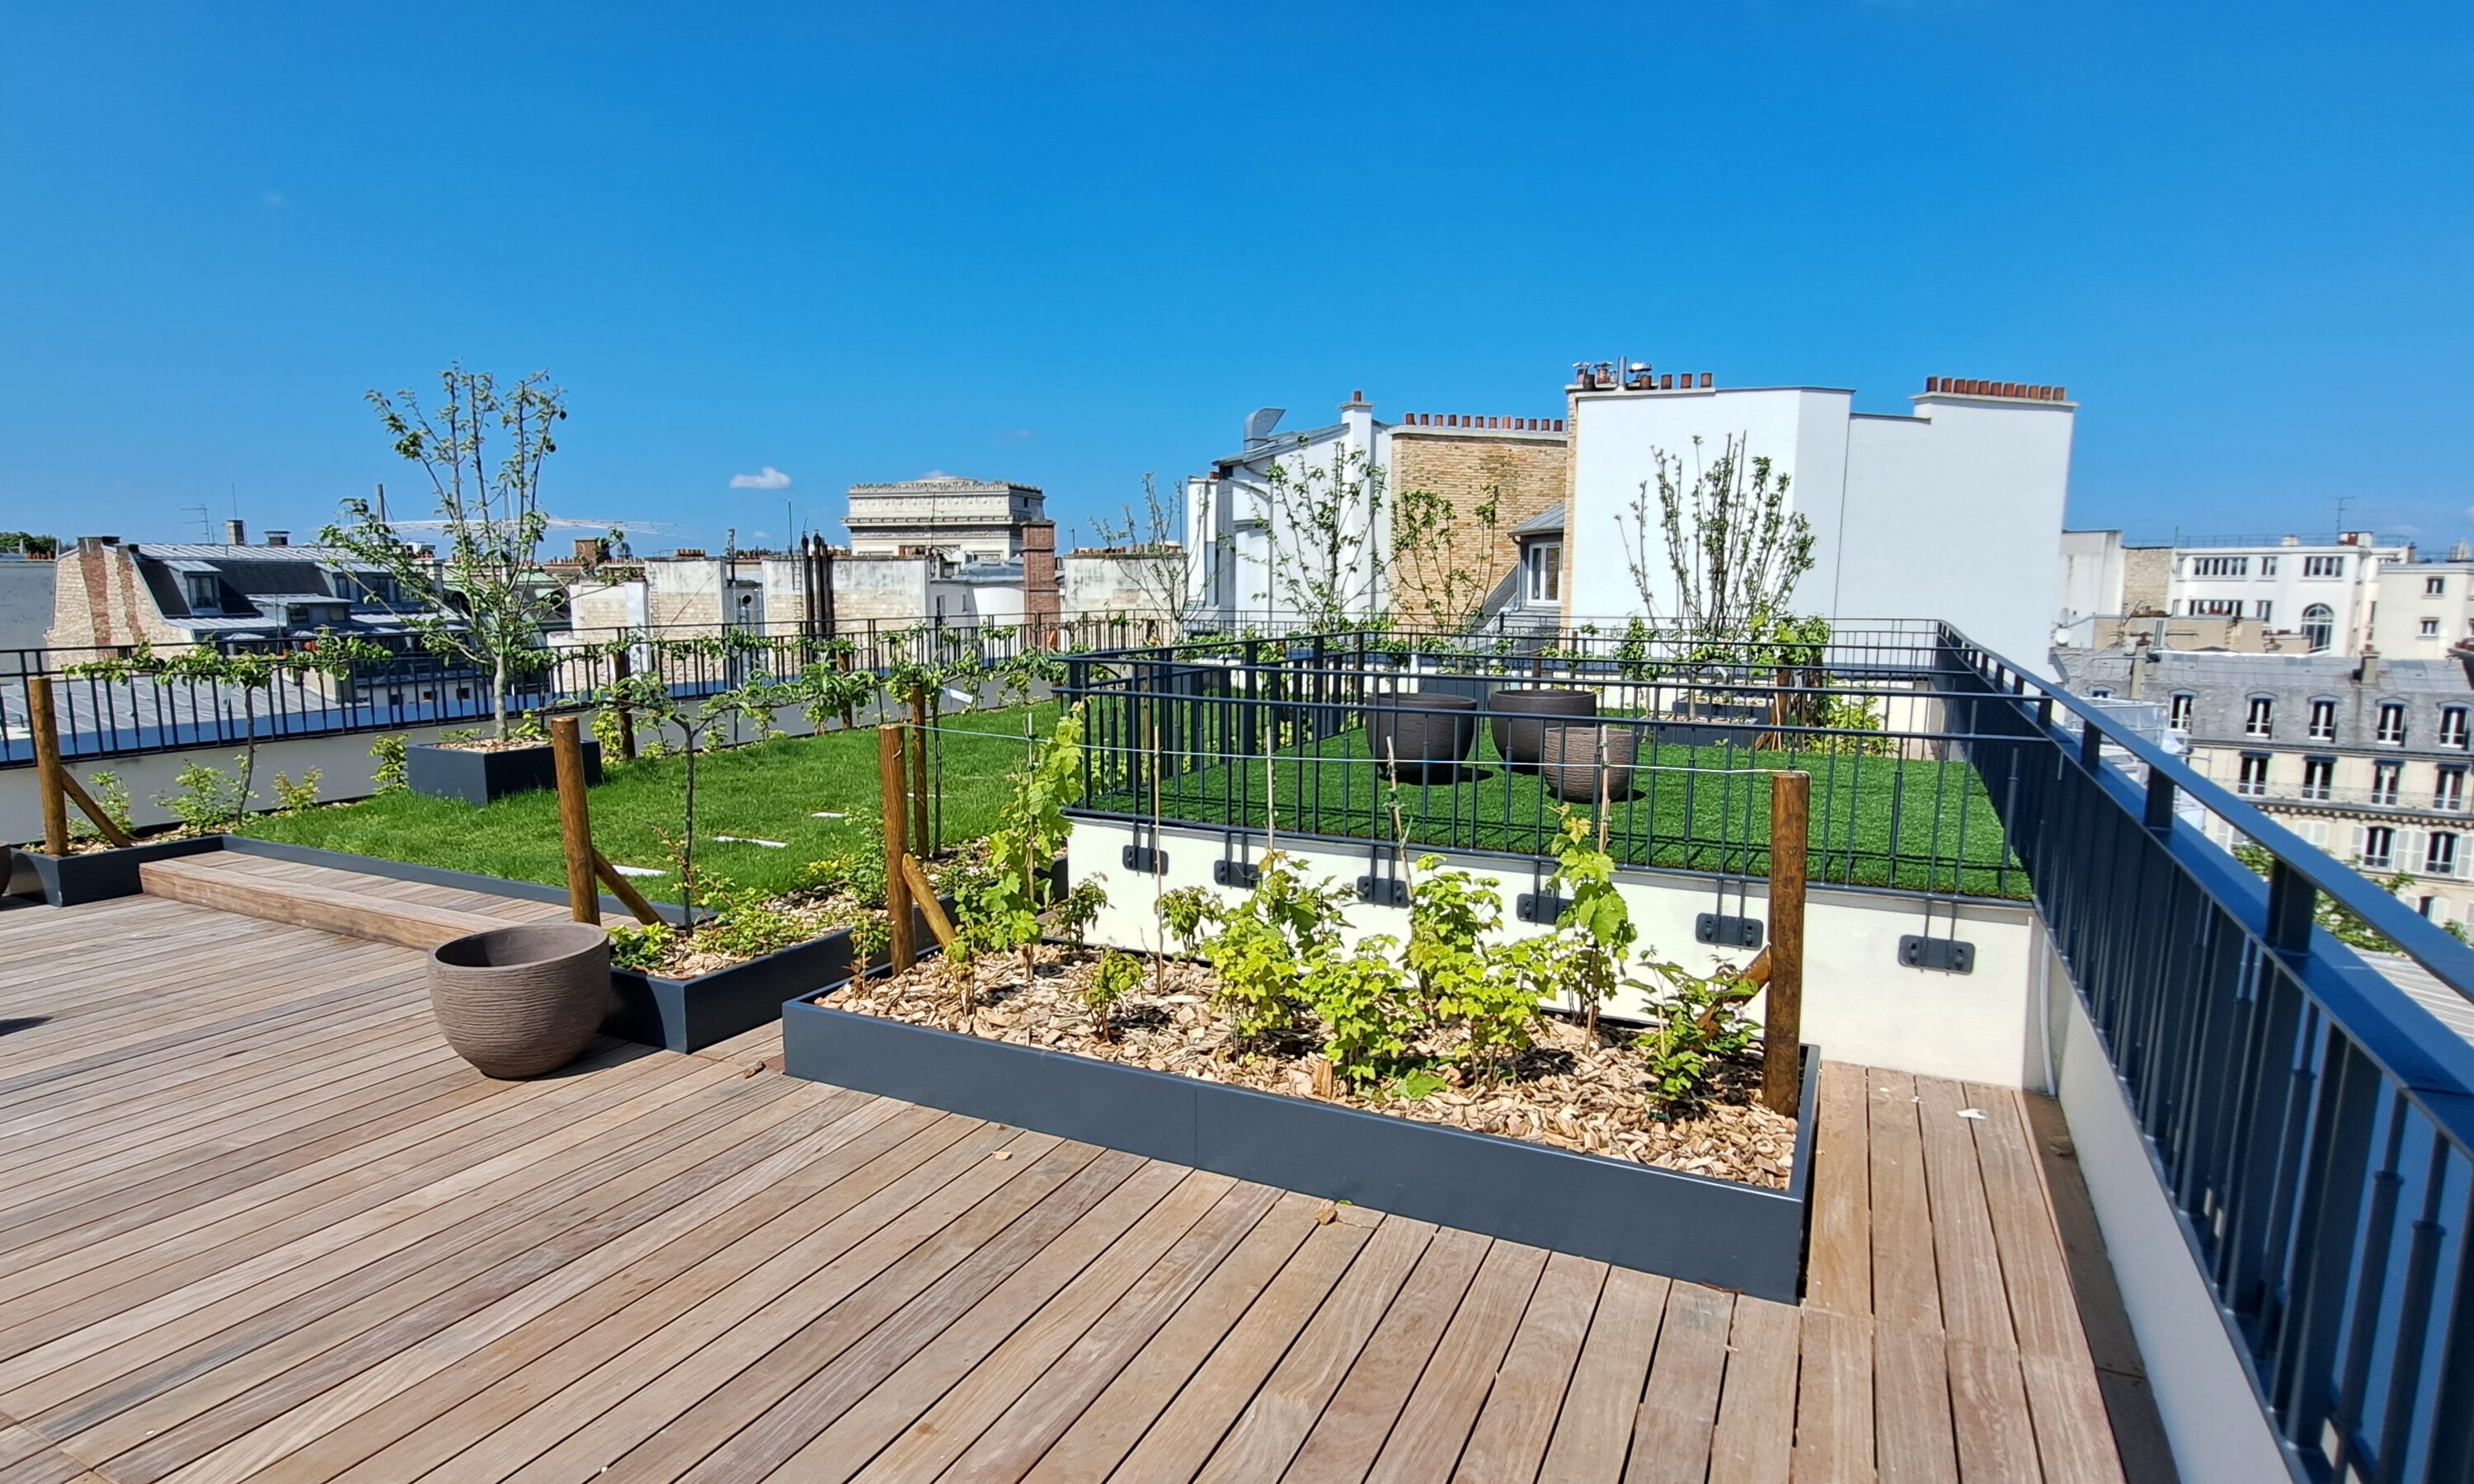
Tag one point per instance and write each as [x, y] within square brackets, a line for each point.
[2146, 576]
[100, 600]
[1519, 463]
[1137, 583]
[965, 519]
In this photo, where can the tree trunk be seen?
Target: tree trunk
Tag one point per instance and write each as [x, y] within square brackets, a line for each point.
[687, 845]
[499, 696]
[248, 755]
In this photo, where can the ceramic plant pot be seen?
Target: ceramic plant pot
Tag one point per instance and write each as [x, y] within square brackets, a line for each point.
[1427, 736]
[1520, 738]
[1570, 763]
[520, 1001]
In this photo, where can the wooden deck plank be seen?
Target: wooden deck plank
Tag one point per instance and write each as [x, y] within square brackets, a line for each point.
[1435, 1423]
[1355, 1427]
[1678, 1413]
[1834, 1420]
[1839, 1266]
[1756, 1435]
[1508, 1445]
[1996, 1443]
[1602, 1405]
[1974, 1305]
[1906, 1288]
[1913, 1442]
[2068, 1410]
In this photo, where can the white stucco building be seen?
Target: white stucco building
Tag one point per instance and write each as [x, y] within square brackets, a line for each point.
[2420, 610]
[1254, 556]
[2312, 596]
[1955, 509]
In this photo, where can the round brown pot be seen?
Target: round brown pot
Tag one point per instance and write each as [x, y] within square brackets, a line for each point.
[1518, 738]
[1426, 735]
[523, 1000]
[1570, 760]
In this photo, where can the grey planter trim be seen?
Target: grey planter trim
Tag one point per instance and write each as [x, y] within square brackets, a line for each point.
[484, 778]
[433, 875]
[1691, 1226]
[690, 1014]
[100, 876]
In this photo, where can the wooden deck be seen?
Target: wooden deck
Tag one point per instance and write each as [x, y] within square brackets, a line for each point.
[256, 1223]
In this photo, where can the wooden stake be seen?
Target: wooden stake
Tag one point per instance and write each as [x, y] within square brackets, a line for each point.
[923, 895]
[896, 811]
[574, 823]
[104, 824]
[48, 773]
[623, 889]
[1783, 1021]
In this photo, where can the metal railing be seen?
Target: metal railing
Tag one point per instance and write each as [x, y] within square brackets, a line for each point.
[101, 718]
[1300, 737]
[2311, 1122]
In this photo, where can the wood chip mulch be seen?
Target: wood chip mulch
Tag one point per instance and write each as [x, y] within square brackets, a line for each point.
[1564, 1091]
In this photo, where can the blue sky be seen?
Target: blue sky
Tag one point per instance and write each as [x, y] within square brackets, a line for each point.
[1069, 245]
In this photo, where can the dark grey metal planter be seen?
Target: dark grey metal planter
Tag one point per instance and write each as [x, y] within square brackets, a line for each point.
[1426, 735]
[100, 876]
[1691, 1226]
[485, 777]
[690, 1014]
[1520, 739]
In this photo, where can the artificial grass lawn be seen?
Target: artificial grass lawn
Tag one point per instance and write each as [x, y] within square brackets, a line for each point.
[1915, 823]
[766, 790]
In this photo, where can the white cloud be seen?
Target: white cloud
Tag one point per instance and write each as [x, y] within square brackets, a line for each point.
[770, 479]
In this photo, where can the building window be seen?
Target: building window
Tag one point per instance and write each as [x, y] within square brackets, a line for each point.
[2252, 780]
[2215, 608]
[2261, 719]
[2384, 782]
[203, 596]
[2323, 566]
[2448, 790]
[2440, 853]
[2267, 567]
[2101, 693]
[2323, 721]
[2177, 714]
[2379, 847]
[2320, 626]
[2452, 726]
[1546, 572]
[2430, 627]
[2434, 586]
[2392, 730]
[2261, 609]
[2221, 567]
[2318, 775]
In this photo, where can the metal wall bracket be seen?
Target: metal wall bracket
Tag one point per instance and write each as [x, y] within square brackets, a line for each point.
[1236, 873]
[1383, 890]
[1950, 955]
[1726, 932]
[1146, 860]
[1543, 907]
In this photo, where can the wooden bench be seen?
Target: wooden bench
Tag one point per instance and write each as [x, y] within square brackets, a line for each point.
[201, 881]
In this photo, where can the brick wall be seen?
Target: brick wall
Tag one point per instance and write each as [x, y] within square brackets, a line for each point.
[1525, 469]
[98, 601]
[1040, 597]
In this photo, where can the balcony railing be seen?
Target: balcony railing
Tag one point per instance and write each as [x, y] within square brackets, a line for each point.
[2312, 1124]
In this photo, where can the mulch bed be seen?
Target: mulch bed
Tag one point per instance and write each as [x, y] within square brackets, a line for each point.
[1569, 1090]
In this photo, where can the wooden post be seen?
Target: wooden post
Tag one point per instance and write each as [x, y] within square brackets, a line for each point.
[574, 823]
[621, 665]
[48, 764]
[1783, 1021]
[897, 814]
[917, 742]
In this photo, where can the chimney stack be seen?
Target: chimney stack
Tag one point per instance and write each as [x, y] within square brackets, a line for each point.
[236, 534]
[278, 537]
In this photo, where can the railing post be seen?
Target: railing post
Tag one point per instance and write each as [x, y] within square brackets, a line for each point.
[895, 809]
[574, 821]
[2292, 903]
[48, 764]
[2158, 816]
[1783, 1019]
[2091, 747]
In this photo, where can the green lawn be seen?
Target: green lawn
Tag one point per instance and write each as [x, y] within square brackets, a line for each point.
[1920, 825]
[768, 791]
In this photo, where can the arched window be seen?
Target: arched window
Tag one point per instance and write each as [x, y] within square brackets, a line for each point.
[2320, 626]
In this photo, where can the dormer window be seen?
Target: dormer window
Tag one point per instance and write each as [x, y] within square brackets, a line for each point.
[205, 593]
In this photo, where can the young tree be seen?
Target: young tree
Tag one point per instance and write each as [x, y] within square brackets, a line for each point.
[1334, 513]
[485, 599]
[1160, 565]
[1443, 568]
[1733, 550]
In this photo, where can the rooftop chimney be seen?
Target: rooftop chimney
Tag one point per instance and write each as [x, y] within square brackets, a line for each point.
[278, 537]
[236, 534]
[2369, 673]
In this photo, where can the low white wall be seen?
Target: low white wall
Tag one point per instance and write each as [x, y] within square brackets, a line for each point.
[1860, 1004]
[2202, 1388]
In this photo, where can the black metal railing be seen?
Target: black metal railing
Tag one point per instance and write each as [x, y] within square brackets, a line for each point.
[1300, 736]
[101, 718]
[2310, 1119]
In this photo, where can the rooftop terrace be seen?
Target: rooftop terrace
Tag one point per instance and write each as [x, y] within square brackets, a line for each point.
[261, 1224]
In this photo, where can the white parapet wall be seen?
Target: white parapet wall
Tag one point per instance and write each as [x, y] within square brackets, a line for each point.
[1860, 1004]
